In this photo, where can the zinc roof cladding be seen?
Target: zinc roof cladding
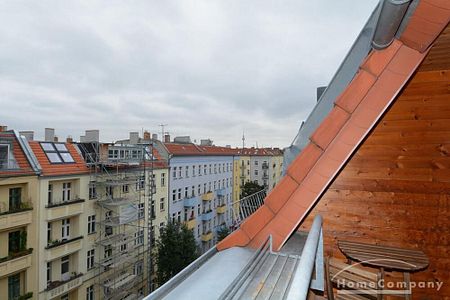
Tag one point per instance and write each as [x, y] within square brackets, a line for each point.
[52, 169]
[193, 150]
[19, 155]
[382, 75]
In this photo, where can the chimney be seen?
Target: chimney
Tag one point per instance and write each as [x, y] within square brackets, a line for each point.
[49, 134]
[147, 135]
[167, 138]
[134, 138]
[69, 139]
[91, 136]
[320, 91]
[29, 134]
[55, 138]
[155, 136]
[82, 139]
[3, 128]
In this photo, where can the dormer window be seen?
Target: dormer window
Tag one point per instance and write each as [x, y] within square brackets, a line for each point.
[57, 153]
[4, 156]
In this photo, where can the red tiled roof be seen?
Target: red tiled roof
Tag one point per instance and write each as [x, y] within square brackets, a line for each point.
[192, 150]
[20, 157]
[376, 85]
[49, 169]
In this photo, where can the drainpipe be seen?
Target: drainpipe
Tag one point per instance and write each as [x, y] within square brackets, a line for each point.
[391, 15]
[302, 277]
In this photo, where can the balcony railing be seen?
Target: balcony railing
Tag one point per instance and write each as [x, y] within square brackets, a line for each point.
[15, 262]
[206, 216]
[57, 243]
[191, 223]
[244, 207]
[58, 203]
[207, 236]
[20, 207]
[59, 249]
[58, 288]
[221, 209]
[208, 196]
[191, 201]
[15, 218]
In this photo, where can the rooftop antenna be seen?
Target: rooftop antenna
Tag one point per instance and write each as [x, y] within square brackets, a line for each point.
[243, 139]
[162, 130]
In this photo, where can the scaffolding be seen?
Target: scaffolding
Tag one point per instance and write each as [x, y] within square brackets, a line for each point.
[122, 184]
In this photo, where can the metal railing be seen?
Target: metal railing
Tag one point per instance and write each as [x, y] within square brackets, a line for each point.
[311, 263]
[246, 206]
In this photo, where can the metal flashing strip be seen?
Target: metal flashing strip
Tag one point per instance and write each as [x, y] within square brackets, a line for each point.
[28, 152]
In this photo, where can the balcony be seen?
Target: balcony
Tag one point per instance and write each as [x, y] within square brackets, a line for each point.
[221, 192]
[191, 223]
[265, 166]
[209, 196]
[16, 217]
[191, 202]
[64, 209]
[58, 288]
[206, 216]
[15, 262]
[57, 249]
[207, 236]
[221, 209]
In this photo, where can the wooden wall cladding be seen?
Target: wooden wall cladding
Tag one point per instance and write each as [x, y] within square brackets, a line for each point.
[395, 190]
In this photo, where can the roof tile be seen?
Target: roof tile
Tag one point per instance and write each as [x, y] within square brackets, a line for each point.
[236, 239]
[329, 127]
[355, 92]
[377, 60]
[253, 224]
[300, 167]
[281, 193]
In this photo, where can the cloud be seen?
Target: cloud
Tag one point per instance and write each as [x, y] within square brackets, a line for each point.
[207, 68]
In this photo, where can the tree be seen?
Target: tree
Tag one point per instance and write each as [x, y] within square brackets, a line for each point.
[176, 249]
[222, 233]
[250, 188]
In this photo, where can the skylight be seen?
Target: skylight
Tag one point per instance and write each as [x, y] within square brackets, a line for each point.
[57, 153]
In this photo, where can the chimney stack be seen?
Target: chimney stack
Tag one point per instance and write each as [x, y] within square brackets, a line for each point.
[3, 128]
[49, 134]
[69, 139]
[91, 136]
[155, 136]
[29, 134]
[55, 139]
[147, 135]
[134, 138]
[167, 138]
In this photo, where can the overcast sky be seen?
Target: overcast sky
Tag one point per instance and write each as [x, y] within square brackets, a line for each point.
[208, 69]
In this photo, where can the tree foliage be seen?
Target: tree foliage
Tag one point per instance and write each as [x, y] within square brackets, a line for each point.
[176, 249]
[222, 233]
[250, 188]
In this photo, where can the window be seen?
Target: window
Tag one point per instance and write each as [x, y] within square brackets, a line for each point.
[174, 195]
[91, 224]
[141, 182]
[161, 204]
[65, 228]
[49, 232]
[65, 267]
[141, 210]
[65, 297]
[90, 292]
[139, 237]
[256, 172]
[256, 162]
[125, 188]
[161, 227]
[138, 268]
[50, 193]
[14, 286]
[57, 153]
[186, 192]
[180, 170]
[187, 172]
[15, 241]
[15, 198]
[66, 191]
[193, 171]
[215, 169]
[174, 172]
[179, 194]
[107, 251]
[204, 169]
[4, 156]
[193, 191]
[92, 190]
[49, 272]
[90, 259]
[163, 179]
[199, 170]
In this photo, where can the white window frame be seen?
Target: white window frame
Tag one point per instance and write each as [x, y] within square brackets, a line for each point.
[65, 229]
[66, 191]
[90, 259]
[91, 224]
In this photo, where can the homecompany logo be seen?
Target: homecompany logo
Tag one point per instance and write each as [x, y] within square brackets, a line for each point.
[381, 287]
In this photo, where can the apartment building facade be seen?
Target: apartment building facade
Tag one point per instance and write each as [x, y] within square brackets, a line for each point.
[18, 217]
[200, 189]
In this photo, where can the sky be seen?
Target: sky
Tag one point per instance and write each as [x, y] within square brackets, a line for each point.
[207, 69]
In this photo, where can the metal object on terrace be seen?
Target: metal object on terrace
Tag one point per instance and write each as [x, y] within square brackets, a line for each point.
[246, 206]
